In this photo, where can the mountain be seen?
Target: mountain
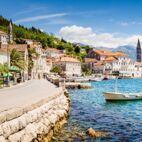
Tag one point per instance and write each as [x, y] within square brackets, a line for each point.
[127, 49]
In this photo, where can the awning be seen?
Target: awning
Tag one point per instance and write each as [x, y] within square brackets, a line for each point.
[14, 68]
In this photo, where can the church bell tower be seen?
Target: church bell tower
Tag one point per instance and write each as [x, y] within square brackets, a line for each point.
[138, 51]
[10, 31]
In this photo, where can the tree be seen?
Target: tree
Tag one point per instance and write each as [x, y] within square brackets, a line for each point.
[31, 53]
[4, 68]
[16, 59]
[77, 49]
[56, 69]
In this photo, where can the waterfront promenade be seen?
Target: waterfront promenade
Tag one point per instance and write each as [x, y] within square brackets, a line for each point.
[27, 93]
[32, 111]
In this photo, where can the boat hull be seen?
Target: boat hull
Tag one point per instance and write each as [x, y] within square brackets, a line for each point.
[119, 97]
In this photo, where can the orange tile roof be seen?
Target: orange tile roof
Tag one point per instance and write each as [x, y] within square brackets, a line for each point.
[103, 52]
[110, 58]
[66, 59]
[109, 53]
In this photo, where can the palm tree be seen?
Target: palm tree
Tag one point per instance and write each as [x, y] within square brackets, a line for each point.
[31, 53]
[4, 68]
[16, 59]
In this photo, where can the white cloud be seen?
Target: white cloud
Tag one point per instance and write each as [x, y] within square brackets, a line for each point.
[41, 17]
[30, 10]
[58, 21]
[130, 23]
[124, 24]
[86, 35]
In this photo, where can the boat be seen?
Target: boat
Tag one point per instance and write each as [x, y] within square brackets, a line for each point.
[116, 96]
[113, 96]
[96, 78]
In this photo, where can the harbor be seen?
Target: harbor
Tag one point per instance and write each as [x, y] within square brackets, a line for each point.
[121, 120]
[70, 71]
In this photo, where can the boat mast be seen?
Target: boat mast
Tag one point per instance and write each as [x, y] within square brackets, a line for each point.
[116, 86]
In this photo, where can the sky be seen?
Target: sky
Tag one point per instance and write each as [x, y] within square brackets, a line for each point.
[101, 23]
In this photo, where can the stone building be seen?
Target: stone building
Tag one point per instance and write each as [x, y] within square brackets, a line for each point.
[4, 56]
[70, 65]
[53, 53]
[3, 38]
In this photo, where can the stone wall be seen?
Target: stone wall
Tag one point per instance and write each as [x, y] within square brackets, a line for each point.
[36, 122]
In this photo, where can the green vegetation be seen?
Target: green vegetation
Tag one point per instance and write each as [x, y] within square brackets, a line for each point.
[3, 68]
[16, 59]
[48, 40]
[85, 70]
[57, 69]
[31, 53]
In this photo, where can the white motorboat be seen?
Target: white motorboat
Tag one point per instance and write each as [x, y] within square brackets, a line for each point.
[113, 96]
[116, 96]
[96, 79]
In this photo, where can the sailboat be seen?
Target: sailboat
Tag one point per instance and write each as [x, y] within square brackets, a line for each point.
[116, 96]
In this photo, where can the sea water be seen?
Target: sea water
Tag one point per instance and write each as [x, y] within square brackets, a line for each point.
[122, 120]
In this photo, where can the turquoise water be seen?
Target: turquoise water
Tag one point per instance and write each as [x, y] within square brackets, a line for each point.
[123, 120]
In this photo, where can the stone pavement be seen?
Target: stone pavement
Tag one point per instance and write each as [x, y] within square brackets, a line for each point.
[27, 93]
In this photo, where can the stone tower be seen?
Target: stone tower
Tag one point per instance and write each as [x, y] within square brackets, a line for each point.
[138, 51]
[10, 32]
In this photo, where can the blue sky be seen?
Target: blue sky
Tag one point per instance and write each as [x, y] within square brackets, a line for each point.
[116, 18]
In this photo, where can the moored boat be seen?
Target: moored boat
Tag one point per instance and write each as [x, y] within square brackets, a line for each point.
[96, 79]
[117, 96]
[113, 96]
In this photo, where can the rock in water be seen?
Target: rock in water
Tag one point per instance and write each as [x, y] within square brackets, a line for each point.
[92, 133]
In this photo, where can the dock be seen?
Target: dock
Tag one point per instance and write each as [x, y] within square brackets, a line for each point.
[77, 85]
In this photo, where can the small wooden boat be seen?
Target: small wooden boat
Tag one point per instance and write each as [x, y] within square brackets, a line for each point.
[116, 96]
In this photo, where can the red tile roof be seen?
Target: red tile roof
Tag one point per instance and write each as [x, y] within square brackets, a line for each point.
[109, 53]
[103, 52]
[110, 59]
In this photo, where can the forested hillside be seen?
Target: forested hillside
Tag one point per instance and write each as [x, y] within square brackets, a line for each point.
[20, 32]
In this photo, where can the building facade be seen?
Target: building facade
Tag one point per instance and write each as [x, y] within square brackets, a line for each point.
[3, 38]
[4, 56]
[71, 66]
[53, 53]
